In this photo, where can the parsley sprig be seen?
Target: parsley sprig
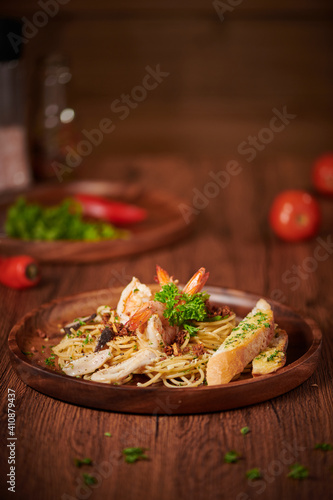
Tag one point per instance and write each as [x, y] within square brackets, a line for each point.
[132, 455]
[30, 221]
[78, 462]
[231, 457]
[323, 446]
[182, 308]
[298, 471]
[253, 474]
[88, 479]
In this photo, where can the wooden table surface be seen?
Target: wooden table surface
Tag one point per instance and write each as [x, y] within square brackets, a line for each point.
[186, 453]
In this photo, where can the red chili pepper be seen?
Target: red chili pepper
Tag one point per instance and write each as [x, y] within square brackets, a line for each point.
[115, 212]
[19, 272]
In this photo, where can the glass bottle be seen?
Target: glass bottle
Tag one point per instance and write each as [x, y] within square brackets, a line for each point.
[53, 120]
[14, 164]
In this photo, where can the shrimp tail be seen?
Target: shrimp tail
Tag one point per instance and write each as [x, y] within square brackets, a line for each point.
[162, 277]
[197, 282]
[140, 317]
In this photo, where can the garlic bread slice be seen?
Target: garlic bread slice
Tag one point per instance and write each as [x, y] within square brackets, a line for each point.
[246, 341]
[274, 357]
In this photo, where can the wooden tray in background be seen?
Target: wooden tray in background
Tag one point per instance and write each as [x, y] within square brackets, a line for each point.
[163, 226]
[302, 359]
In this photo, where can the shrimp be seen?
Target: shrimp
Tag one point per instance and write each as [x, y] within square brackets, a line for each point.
[194, 285]
[197, 282]
[162, 277]
[143, 315]
[155, 332]
[140, 320]
[134, 295]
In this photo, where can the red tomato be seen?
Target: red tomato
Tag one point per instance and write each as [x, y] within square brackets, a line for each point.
[295, 215]
[322, 173]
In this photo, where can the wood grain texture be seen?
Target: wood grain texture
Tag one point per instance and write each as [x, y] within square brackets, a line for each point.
[224, 77]
[186, 453]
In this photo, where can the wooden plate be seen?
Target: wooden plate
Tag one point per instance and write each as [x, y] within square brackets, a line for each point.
[164, 225]
[302, 359]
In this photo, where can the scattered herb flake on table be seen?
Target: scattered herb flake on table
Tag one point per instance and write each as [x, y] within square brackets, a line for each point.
[50, 361]
[134, 454]
[298, 471]
[253, 474]
[107, 434]
[231, 457]
[323, 446]
[89, 479]
[84, 461]
[245, 430]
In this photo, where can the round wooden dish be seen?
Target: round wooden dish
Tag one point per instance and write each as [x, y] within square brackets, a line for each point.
[302, 359]
[164, 224]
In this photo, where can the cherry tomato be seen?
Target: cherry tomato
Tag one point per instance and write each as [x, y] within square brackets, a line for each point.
[294, 215]
[322, 174]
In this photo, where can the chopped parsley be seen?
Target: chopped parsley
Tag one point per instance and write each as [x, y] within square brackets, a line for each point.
[253, 474]
[231, 457]
[107, 434]
[135, 290]
[27, 353]
[50, 361]
[273, 355]
[81, 323]
[298, 471]
[89, 479]
[182, 308]
[78, 462]
[245, 327]
[86, 340]
[323, 446]
[245, 430]
[132, 455]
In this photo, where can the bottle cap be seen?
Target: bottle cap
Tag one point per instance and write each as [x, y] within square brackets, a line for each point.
[11, 41]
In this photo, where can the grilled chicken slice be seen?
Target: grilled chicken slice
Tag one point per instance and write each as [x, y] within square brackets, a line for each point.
[274, 357]
[120, 371]
[251, 335]
[87, 364]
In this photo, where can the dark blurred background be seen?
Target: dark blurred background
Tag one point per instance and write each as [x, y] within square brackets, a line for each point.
[226, 75]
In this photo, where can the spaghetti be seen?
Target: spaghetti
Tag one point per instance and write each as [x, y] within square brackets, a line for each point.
[180, 363]
[185, 369]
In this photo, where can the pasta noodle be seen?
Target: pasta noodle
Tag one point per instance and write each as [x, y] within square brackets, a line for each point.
[185, 367]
